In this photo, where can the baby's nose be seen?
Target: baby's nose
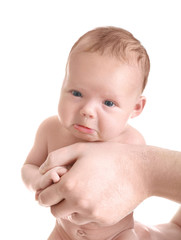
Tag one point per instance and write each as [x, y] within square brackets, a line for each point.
[88, 112]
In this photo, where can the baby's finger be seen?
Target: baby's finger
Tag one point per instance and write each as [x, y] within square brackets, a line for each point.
[61, 157]
[56, 173]
[61, 171]
[52, 176]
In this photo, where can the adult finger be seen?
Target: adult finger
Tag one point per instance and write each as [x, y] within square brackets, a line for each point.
[64, 210]
[37, 193]
[61, 157]
[51, 195]
[78, 219]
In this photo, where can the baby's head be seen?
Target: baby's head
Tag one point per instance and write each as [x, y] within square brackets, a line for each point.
[117, 43]
[106, 72]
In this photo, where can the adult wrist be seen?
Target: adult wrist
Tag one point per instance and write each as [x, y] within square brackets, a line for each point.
[164, 173]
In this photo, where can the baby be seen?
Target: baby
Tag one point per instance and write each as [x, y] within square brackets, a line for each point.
[106, 73]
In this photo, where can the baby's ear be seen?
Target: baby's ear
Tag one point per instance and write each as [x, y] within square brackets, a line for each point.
[138, 108]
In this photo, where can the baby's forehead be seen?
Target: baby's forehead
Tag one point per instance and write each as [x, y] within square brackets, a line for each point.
[130, 59]
[77, 59]
[115, 42]
[131, 62]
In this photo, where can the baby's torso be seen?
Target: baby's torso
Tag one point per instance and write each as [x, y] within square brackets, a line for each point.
[70, 231]
[57, 138]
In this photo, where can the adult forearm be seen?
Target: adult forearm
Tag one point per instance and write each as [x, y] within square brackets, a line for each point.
[127, 173]
[164, 173]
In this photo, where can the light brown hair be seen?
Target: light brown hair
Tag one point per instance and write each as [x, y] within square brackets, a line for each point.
[118, 43]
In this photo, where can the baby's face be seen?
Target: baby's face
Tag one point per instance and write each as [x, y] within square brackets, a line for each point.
[98, 96]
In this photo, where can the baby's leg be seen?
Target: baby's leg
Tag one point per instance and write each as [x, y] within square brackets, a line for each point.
[55, 235]
[58, 234]
[127, 235]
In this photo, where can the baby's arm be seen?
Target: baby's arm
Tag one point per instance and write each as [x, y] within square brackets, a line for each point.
[37, 155]
[52, 176]
[133, 136]
[30, 170]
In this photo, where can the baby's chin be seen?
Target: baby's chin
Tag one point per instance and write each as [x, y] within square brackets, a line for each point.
[93, 138]
[85, 137]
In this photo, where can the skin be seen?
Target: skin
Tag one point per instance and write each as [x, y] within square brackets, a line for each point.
[167, 231]
[86, 114]
[120, 86]
[155, 178]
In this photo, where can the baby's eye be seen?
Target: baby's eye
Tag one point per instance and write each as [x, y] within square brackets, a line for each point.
[109, 103]
[76, 93]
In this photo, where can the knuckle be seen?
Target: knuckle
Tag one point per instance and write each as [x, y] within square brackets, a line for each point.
[95, 213]
[68, 186]
[99, 217]
[83, 204]
[107, 221]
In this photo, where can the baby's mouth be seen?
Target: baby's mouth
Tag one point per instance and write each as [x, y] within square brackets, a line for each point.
[83, 129]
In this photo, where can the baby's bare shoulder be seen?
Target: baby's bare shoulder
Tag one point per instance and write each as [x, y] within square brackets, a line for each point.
[52, 131]
[41, 144]
[49, 123]
[133, 136]
[48, 127]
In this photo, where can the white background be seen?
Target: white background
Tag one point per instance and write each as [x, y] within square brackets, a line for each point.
[35, 38]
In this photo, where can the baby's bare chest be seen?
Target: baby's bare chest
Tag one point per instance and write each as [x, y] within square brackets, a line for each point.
[60, 138]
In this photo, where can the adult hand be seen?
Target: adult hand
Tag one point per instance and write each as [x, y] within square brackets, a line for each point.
[99, 187]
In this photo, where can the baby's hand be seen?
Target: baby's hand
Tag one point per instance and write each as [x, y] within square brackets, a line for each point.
[50, 177]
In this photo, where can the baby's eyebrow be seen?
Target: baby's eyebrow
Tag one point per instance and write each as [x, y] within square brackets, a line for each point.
[112, 96]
